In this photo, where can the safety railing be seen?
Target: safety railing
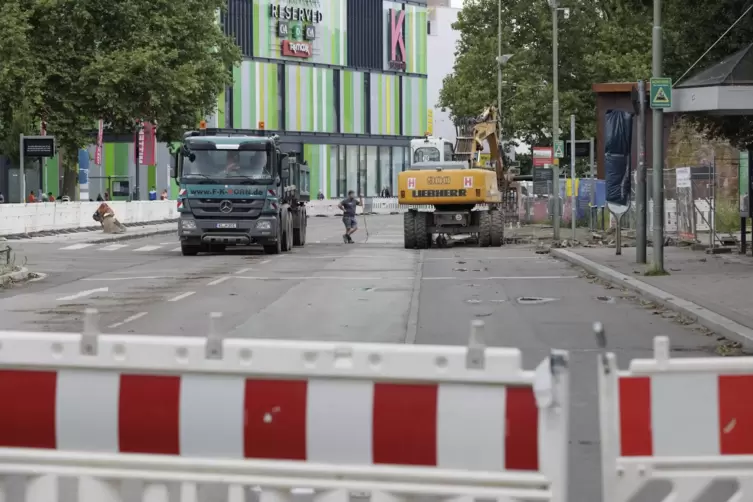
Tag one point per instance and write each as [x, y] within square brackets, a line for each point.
[677, 429]
[178, 418]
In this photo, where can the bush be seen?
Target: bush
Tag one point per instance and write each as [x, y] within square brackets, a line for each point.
[727, 216]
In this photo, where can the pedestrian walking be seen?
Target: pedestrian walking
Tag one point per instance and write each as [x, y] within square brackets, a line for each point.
[348, 207]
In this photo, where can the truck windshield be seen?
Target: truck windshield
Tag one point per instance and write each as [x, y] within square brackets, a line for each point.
[226, 165]
[426, 154]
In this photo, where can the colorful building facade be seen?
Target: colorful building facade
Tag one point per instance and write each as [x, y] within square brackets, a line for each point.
[343, 82]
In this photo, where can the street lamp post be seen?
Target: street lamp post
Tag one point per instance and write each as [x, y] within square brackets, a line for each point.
[555, 118]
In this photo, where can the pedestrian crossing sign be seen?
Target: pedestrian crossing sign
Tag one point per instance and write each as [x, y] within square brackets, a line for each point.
[559, 149]
[661, 93]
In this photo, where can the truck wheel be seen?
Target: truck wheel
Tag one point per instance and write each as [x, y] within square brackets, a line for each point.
[423, 238]
[497, 235]
[189, 250]
[275, 248]
[287, 237]
[409, 229]
[484, 229]
[299, 234]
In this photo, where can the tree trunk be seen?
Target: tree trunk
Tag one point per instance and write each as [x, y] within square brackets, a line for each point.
[69, 164]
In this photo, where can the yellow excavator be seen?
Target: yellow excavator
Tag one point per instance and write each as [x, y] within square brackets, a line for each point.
[454, 188]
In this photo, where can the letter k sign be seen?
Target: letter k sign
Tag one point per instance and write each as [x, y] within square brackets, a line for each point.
[396, 32]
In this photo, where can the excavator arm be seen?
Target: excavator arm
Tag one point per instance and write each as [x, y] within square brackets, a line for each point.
[471, 135]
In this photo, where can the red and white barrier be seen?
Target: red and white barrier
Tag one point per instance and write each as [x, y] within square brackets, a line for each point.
[685, 421]
[469, 419]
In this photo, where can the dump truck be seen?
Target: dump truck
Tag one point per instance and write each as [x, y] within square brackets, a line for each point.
[466, 196]
[239, 189]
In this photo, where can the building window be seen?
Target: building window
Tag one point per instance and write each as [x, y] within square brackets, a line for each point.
[385, 170]
[398, 162]
[372, 172]
[351, 173]
[362, 173]
[342, 185]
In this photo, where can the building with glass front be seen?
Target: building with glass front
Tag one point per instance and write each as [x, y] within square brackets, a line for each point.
[343, 82]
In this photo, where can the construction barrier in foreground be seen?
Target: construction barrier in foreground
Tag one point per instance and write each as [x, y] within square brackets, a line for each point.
[178, 416]
[680, 429]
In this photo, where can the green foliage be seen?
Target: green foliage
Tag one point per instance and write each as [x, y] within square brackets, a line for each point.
[600, 41]
[78, 61]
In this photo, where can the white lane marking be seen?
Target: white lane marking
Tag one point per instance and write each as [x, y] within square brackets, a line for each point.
[127, 320]
[114, 247]
[218, 281]
[82, 294]
[75, 247]
[243, 271]
[175, 250]
[264, 262]
[166, 243]
[479, 258]
[130, 278]
[326, 278]
[147, 248]
[181, 296]
[507, 278]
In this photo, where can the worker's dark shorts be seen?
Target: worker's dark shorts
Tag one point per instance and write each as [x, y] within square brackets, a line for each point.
[350, 222]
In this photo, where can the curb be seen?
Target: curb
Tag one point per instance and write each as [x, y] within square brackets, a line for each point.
[17, 276]
[707, 318]
[77, 230]
[128, 237]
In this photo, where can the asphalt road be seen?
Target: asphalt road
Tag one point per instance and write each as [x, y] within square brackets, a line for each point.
[372, 291]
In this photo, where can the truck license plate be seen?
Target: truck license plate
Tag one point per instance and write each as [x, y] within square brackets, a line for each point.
[227, 225]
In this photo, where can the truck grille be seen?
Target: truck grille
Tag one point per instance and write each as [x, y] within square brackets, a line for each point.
[210, 208]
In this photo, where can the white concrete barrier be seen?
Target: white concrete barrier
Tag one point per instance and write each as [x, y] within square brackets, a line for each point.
[47, 216]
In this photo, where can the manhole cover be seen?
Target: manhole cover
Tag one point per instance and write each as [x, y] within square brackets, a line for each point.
[533, 300]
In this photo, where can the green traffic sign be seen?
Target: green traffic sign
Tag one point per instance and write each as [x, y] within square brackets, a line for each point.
[661, 93]
[559, 149]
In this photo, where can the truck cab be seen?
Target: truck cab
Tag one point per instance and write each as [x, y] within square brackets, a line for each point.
[237, 189]
[431, 149]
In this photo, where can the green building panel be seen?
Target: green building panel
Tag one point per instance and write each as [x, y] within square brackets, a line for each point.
[352, 102]
[256, 91]
[328, 21]
[309, 99]
[415, 106]
[385, 104]
[416, 19]
[322, 166]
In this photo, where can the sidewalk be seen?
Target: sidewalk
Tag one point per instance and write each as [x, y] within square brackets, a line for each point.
[714, 289]
[99, 237]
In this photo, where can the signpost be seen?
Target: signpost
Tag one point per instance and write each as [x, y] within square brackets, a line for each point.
[661, 93]
[36, 147]
[559, 149]
[542, 156]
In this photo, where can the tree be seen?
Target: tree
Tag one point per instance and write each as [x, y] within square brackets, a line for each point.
[527, 89]
[123, 61]
[19, 78]
[692, 27]
[601, 41]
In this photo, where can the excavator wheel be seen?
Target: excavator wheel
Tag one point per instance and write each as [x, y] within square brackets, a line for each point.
[484, 228]
[497, 235]
[423, 237]
[409, 229]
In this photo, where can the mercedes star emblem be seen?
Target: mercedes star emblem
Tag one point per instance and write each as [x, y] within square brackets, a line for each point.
[226, 206]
